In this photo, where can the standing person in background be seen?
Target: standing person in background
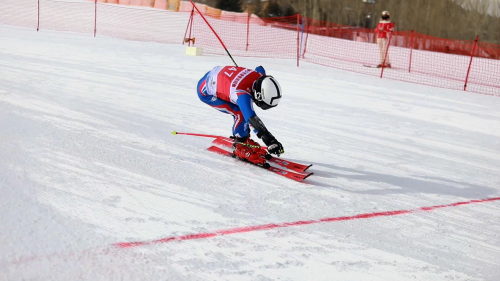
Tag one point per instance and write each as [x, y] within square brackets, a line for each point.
[384, 28]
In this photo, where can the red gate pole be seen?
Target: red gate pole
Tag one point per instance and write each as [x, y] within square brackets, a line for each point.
[385, 58]
[248, 27]
[298, 38]
[411, 48]
[470, 63]
[215, 33]
[95, 17]
[38, 24]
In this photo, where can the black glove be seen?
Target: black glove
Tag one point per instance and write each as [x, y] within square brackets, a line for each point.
[275, 147]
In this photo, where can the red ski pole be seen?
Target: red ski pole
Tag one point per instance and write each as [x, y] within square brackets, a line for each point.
[196, 135]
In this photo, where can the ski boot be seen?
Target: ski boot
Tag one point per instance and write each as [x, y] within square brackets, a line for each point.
[253, 144]
[249, 150]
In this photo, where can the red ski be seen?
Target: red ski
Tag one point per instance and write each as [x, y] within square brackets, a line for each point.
[282, 162]
[281, 172]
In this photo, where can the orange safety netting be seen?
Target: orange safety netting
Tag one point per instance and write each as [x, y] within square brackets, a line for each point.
[417, 58]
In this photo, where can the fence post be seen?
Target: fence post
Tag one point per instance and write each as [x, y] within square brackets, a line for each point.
[470, 63]
[38, 24]
[190, 24]
[385, 57]
[298, 36]
[248, 27]
[411, 48]
[95, 17]
[302, 34]
[305, 43]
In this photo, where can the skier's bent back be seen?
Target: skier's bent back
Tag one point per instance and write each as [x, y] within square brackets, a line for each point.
[233, 90]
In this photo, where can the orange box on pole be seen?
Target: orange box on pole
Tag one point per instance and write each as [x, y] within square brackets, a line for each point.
[173, 5]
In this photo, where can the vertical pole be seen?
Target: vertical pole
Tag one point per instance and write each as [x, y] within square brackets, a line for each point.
[248, 27]
[385, 57]
[38, 24]
[302, 34]
[298, 42]
[411, 48]
[191, 29]
[95, 17]
[305, 43]
[470, 63]
[187, 26]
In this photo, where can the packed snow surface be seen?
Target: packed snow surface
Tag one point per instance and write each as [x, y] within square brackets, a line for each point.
[87, 160]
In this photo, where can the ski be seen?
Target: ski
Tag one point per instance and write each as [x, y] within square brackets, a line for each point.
[375, 66]
[288, 174]
[284, 163]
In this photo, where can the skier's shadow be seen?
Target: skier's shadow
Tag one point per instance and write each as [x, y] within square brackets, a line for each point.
[400, 185]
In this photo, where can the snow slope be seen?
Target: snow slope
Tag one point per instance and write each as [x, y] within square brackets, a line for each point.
[87, 160]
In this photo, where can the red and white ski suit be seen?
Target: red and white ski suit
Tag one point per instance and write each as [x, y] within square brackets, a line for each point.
[384, 30]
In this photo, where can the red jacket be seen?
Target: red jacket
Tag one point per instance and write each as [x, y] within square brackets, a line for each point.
[383, 28]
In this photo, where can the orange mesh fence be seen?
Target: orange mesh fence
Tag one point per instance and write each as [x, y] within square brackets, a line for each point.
[414, 57]
[244, 36]
[22, 13]
[132, 23]
[485, 70]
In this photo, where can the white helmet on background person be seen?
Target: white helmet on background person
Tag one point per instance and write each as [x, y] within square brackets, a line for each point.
[266, 92]
[385, 15]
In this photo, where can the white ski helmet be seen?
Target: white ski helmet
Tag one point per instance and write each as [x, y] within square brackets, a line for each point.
[266, 92]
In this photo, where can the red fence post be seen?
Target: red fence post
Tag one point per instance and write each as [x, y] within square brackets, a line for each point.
[38, 24]
[411, 48]
[305, 43]
[248, 27]
[298, 39]
[470, 63]
[95, 17]
[191, 39]
[190, 21]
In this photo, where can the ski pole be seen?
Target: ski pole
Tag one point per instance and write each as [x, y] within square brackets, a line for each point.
[196, 135]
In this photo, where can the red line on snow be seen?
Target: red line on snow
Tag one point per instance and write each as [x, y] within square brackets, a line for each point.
[296, 223]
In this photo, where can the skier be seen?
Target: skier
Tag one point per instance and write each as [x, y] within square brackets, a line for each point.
[233, 90]
[383, 29]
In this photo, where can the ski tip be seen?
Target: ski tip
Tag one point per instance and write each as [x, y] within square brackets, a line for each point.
[307, 167]
[174, 133]
[308, 175]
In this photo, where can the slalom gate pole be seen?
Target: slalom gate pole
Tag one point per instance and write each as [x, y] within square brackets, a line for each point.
[196, 135]
[386, 53]
[222, 43]
[470, 63]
